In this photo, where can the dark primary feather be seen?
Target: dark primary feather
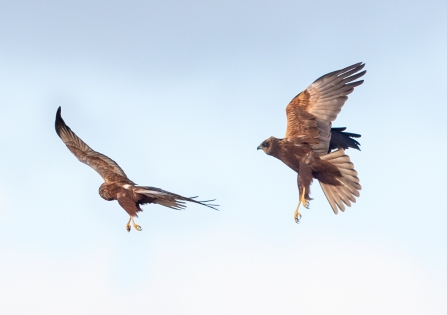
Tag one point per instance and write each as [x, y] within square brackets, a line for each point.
[343, 140]
[346, 72]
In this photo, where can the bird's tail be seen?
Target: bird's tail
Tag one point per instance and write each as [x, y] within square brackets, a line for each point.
[344, 193]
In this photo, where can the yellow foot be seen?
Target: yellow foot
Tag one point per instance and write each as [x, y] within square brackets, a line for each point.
[128, 227]
[136, 226]
[305, 203]
[297, 216]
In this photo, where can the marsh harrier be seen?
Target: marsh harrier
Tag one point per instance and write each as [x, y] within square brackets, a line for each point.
[117, 186]
[306, 147]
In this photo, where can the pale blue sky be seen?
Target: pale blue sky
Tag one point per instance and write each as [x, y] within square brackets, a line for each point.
[180, 94]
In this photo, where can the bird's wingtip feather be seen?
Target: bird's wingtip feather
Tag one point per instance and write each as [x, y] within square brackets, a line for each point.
[59, 121]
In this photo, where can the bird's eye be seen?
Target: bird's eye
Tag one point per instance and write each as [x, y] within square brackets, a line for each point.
[265, 144]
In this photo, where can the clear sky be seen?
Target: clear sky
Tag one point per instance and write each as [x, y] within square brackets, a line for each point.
[180, 94]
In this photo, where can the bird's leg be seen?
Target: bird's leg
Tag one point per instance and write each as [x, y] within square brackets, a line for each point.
[128, 225]
[297, 215]
[304, 201]
[136, 226]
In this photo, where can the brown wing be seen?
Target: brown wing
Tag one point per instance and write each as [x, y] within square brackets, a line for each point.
[106, 167]
[131, 199]
[310, 113]
[166, 198]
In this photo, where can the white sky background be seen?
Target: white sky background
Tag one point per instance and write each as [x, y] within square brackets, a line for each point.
[180, 94]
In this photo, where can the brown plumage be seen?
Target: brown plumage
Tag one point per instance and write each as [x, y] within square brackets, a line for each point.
[117, 186]
[309, 140]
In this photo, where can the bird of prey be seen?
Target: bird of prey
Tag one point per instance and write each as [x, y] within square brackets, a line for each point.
[117, 186]
[309, 140]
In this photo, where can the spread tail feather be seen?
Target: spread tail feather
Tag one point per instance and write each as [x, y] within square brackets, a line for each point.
[339, 196]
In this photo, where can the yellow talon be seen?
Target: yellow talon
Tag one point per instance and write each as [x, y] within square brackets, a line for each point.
[297, 214]
[136, 226]
[128, 225]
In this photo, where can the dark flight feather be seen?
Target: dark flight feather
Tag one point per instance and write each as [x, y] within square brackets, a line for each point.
[343, 140]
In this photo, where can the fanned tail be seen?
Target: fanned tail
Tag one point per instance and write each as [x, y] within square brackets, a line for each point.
[344, 194]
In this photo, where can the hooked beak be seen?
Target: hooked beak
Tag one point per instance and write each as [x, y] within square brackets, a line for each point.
[259, 147]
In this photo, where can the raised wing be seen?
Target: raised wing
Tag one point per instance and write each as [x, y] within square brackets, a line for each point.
[311, 113]
[106, 167]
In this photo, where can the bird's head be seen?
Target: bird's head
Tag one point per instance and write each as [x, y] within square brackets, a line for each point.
[268, 145]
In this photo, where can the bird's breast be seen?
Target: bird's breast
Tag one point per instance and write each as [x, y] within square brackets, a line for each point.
[292, 154]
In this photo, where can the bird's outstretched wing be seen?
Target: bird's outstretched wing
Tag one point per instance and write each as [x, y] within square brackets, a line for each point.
[106, 167]
[168, 199]
[310, 113]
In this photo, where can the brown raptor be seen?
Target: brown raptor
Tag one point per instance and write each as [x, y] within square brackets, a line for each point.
[117, 186]
[306, 147]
